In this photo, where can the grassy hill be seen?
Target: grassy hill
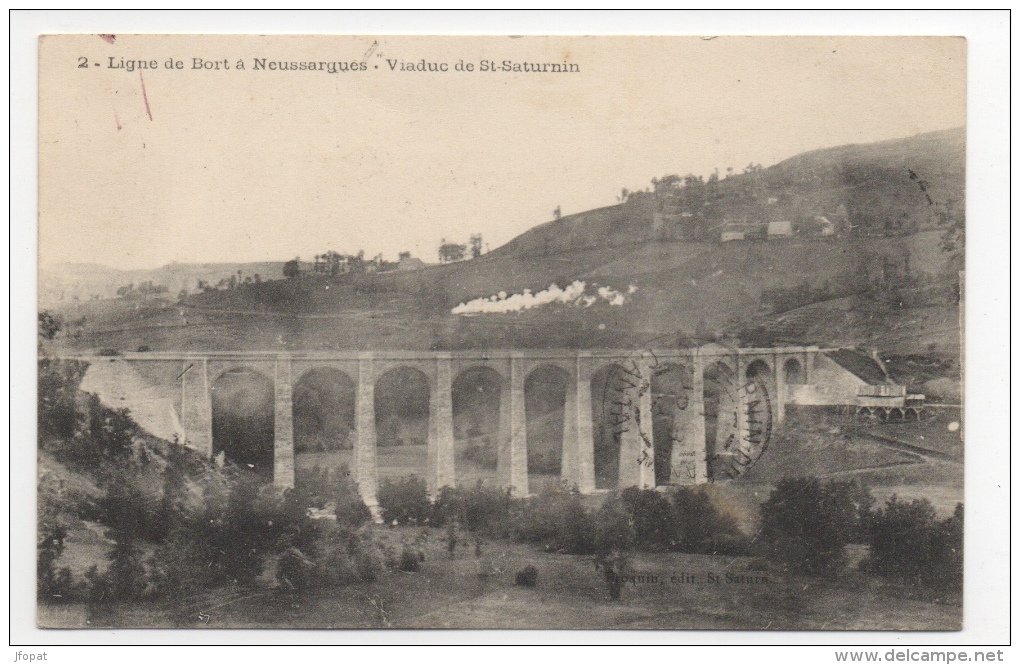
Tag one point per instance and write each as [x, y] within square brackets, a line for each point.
[883, 280]
[867, 189]
[66, 283]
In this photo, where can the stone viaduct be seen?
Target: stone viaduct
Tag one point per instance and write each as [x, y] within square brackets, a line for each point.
[769, 369]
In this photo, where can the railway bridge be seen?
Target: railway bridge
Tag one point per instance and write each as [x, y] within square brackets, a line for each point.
[719, 404]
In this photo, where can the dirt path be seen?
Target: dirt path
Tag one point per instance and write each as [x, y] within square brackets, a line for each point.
[902, 446]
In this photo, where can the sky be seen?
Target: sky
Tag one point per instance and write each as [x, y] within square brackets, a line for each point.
[141, 168]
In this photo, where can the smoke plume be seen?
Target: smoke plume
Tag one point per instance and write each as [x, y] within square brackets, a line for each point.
[575, 294]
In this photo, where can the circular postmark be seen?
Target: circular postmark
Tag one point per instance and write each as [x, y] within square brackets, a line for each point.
[678, 420]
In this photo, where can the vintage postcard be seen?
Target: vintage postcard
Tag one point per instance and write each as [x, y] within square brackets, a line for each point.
[489, 332]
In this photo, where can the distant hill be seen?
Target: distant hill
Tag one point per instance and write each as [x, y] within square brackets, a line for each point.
[64, 283]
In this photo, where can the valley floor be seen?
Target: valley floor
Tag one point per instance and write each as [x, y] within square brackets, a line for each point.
[670, 591]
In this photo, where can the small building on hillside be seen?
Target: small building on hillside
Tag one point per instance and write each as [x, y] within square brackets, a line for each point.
[729, 236]
[410, 263]
[827, 227]
[782, 229]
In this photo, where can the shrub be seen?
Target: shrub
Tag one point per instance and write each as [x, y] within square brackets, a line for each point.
[483, 454]
[909, 543]
[132, 507]
[295, 570]
[614, 540]
[52, 584]
[481, 510]
[448, 507]
[410, 559]
[58, 391]
[557, 520]
[576, 533]
[807, 524]
[338, 490]
[536, 522]
[700, 528]
[238, 524]
[126, 578]
[527, 577]
[652, 516]
[351, 510]
[178, 568]
[333, 555]
[405, 501]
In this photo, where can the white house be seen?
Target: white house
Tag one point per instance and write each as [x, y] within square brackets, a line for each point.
[780, 229]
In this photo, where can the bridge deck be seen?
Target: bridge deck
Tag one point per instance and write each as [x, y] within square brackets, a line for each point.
[474, 354]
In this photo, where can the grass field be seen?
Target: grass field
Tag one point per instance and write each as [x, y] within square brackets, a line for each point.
[473, 592]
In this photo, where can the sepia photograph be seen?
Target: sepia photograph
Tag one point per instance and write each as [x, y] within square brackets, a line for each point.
[537, 332]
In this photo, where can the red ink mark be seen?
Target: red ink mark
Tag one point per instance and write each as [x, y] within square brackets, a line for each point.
[109, 39]
[119, 126]
[145, 97]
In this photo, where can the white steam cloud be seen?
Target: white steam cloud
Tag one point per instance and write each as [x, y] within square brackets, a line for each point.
[574, 294]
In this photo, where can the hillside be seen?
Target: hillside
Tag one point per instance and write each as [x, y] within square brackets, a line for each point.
[683, 288]
[65, 283]
[886, 284]
[862, 189]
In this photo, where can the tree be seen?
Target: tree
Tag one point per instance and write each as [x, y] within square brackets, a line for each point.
[806, 524]
[49, 325]
[666, 184]
[614, 540]
[557, 213]
[451, 251]
[292, 268]
[476, 245]
[403, 255]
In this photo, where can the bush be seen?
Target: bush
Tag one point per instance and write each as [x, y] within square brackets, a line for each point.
[238, 524]
[178, 568]
[337, 490]
[700, 528]
[52, 584]
[343, 556]
[614, 540]
[295, 570]
[410, 559]
[684, 520]
[132, 508]
[58, 392]
[908, 543]
[126, 578]
[481, 510]
[527, 577]
[557, 520]
[653, 518]
[405, 501]
[576, 533]
[484, 455]
[807, 524]
[338, 557]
